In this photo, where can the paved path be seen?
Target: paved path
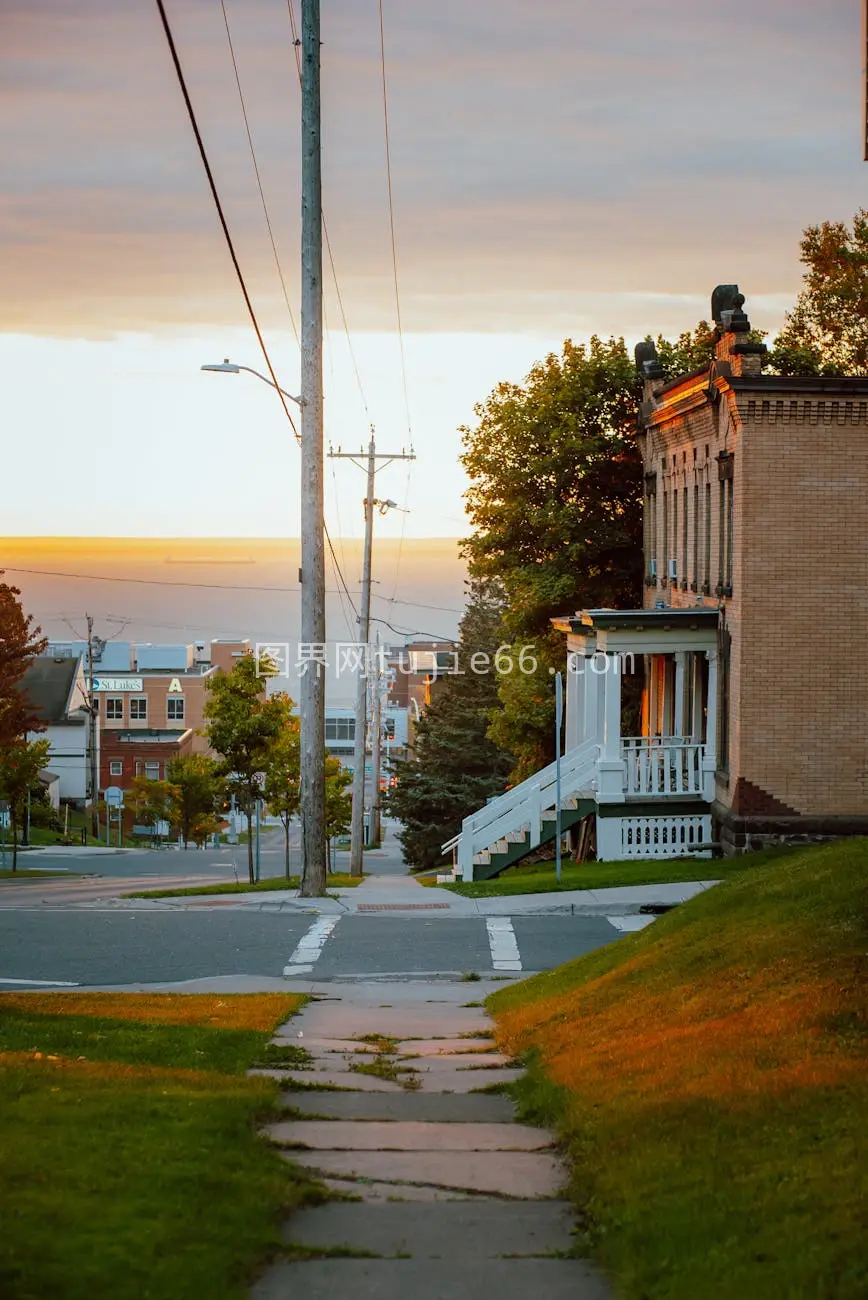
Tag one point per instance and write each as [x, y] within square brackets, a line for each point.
[450, 1197]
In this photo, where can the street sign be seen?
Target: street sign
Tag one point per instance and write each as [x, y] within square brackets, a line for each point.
[114, 796]
[4, 818]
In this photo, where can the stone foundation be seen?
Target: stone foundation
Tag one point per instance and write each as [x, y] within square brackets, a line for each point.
[744, 834]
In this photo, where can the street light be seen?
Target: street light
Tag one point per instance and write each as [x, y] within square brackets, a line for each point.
[227, 367]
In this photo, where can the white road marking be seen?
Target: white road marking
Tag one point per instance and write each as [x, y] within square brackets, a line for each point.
[310, 946]
[627, 924]
[67, 984]
[502, 942]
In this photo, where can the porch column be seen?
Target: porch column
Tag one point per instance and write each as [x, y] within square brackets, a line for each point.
[610, 767]
[653, 702]
[591, 692]
[678, 702]
[575, 709]
[709, 753]
[696, 706]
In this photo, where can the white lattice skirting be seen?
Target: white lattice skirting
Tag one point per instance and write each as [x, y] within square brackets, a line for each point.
[665, 837]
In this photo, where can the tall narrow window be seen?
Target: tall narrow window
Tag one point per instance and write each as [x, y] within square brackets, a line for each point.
[730, 521]
[721, 532]
[685, 523]
[674, 553]
[723, 689]
[665, 534]
[707, 556]
[695, 534]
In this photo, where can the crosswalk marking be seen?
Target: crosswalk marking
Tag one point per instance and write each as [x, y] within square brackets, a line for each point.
[502, 942]
[310, 946]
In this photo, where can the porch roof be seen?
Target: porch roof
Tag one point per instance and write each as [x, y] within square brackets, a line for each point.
[645, 631]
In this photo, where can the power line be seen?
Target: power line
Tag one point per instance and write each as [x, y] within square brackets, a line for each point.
[179, 72]
[256, 171]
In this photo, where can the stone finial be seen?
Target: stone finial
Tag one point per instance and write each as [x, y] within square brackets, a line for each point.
[745, 357]
[647, 361]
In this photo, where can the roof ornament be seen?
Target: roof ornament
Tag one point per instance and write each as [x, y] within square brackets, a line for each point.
[647, 361]
[726, 310]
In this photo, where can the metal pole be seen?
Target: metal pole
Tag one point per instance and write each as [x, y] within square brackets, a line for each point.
[357, 828]
[559, 708]
[376, 752]
[258, 813]
[91, 704]
[313, 630]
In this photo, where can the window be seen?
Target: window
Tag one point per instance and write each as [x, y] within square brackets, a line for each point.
[725, 462]
[175, 708]
[665, 534]
[721, 532]
[730, 519]
[723, 688]
[116, 767]
[707, 579]
[114, 708]
[389, 728]
[340, 729]
[695, 534]
[674, 553]
[139, 709]
[152, 771]
[684, 528]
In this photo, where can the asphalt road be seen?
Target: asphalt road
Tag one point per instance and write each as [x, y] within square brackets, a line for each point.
[116, 945]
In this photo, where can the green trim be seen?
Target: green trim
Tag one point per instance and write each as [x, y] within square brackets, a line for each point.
[655, 808]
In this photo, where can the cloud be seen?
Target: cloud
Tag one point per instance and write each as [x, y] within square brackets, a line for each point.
[543, 156]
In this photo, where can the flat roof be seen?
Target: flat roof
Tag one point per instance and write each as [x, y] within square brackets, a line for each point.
[589, 620]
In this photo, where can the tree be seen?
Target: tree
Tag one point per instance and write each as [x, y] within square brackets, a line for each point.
[282, 779]
[242, 726]
[455, 767]
[338, 802]
[21, 761]
[195, 784]
[20, 642]
[555, 500]
[826, 333]
[150, 801]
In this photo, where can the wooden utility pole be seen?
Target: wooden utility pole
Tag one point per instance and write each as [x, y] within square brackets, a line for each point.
[357, 829]
[93, 713]
[376, 751]
[313, 632]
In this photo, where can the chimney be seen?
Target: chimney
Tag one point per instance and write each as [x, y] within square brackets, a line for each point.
[650, 371]
[732, 342]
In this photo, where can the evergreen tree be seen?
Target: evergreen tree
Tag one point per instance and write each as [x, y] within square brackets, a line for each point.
[455, 768]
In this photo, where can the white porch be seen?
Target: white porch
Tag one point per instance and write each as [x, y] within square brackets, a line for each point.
[651, 785]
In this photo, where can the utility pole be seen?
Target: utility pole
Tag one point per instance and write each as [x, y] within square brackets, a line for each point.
[92, 729]
[376, 753]
[357, 828]
[313, 632]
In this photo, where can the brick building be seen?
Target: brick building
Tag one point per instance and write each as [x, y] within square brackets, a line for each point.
[751, 639]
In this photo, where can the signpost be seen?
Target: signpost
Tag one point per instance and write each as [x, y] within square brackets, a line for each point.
[114, 798]
[4, 822]
[559, 709]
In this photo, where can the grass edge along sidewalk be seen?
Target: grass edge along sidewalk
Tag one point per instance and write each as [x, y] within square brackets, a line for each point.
[268, 886]
[539, 877]
[708, 1077]
[130, 1164]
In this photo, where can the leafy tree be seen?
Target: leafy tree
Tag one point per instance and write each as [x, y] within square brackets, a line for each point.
[150, 801]
[21, 761]
[243, 724]
[455, 767]
[826, 333]
[195, 783]
[555, 500]
[282, 779]
[338, 802]
[20, 642]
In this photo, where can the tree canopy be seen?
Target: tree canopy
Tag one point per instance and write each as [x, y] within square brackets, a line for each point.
[20, 642]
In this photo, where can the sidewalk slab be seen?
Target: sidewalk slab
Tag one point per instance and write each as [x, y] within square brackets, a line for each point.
[304, 1079]
[453, 1230]
[373, 1193]
[396, 1279]
[450, 1107]
[465, 1080]
[407, 1135]
[521, 1175]
[349, 1020]
[446, 1046]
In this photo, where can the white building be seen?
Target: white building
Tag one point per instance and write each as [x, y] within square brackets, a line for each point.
[57, 689]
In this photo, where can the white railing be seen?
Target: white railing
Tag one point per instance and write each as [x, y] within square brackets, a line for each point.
[666, 837]
[662, 765]
[522, 807]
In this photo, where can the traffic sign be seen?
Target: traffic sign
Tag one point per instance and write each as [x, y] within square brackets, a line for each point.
[114, 796]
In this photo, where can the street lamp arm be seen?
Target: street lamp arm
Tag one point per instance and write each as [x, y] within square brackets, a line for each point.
[228, 367]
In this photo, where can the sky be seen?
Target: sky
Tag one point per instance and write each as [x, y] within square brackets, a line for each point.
[559, 167]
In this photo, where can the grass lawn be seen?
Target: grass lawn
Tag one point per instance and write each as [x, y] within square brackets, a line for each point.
[708, 1076]
[129, 1162]
[336, 881]
[540, 878]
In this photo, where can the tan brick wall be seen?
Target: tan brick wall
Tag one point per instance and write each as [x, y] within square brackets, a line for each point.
[798, 614]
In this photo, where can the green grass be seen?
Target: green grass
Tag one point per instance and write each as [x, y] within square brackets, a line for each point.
[336, 881]
[708, 1076]
[540, 877]
[137, 1173]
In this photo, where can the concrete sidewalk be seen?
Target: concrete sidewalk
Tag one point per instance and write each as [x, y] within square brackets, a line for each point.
[449, 1196]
